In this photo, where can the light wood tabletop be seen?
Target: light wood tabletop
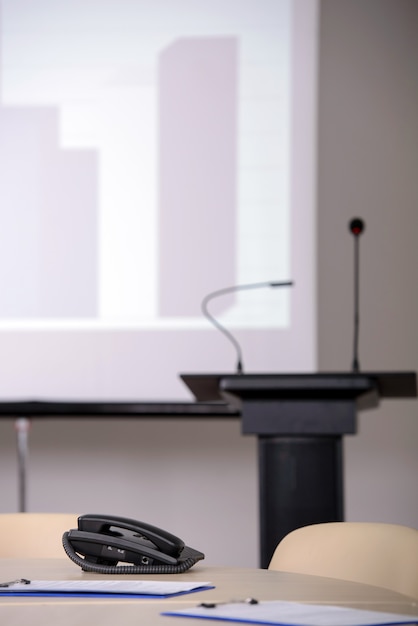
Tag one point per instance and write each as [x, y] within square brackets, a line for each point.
[229, 584]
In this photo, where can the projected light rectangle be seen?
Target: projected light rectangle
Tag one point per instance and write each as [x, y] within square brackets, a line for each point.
[160, 134]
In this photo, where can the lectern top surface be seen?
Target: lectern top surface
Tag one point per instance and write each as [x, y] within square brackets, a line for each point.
[209, 387]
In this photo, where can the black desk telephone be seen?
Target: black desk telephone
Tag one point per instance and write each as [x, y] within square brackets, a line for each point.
[100, 542]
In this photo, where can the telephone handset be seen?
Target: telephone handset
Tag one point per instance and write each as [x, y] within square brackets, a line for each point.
[100, 542]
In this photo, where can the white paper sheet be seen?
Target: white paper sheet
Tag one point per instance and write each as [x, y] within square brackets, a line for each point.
[295, 614]
[135, 587]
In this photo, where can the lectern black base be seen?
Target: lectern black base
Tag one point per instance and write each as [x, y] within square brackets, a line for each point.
[300, 483]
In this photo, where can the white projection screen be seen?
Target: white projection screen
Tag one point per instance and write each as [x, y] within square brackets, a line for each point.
[154, 151]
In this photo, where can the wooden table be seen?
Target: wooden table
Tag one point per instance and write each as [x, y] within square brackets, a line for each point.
[230, 584]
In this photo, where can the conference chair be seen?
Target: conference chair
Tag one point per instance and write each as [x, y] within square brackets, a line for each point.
[34, 535]
[383, 555]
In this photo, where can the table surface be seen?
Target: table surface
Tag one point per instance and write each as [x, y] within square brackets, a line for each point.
[230, 584]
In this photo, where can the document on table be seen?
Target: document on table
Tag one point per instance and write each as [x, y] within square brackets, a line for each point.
[132, 588]
[278, 613]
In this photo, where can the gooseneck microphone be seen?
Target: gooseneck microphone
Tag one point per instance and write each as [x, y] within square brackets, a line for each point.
[356, 227]
[219, 326]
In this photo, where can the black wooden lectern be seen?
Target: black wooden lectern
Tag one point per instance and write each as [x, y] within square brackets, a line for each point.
[300, 420]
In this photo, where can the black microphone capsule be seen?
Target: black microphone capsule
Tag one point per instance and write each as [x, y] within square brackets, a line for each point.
[356, 226]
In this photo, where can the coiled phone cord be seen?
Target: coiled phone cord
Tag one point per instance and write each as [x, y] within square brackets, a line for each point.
[87, 566]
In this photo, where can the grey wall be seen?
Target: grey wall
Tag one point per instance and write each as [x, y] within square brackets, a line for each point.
[200, 479]
[368, 155]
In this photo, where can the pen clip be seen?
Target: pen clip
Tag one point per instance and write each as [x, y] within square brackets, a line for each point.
[213, 605]
[18, 581]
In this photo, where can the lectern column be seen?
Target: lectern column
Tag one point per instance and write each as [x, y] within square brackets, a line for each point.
[301, 482]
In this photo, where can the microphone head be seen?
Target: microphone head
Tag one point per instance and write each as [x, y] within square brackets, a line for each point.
[356, 226]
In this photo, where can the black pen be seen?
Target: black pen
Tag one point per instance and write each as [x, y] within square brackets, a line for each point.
[18, 581]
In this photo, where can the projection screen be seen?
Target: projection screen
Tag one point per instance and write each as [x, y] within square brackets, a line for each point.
[152, 152]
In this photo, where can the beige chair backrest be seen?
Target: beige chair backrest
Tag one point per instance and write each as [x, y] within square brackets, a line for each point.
[34, 535]
[383, 555]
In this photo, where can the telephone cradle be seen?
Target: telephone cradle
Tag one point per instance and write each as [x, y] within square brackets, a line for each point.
[100, 542]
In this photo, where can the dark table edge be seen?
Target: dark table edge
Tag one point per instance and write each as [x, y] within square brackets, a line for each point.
[93, 409]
